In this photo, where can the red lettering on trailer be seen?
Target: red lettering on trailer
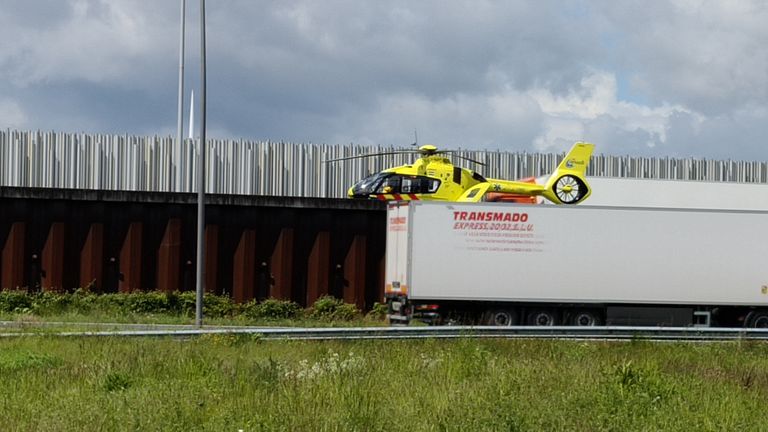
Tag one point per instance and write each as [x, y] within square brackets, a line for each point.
[397, 220]
[490, 216]
[398, 223]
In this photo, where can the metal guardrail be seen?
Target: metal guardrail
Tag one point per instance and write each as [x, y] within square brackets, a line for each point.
[242, 167]
[449, 332]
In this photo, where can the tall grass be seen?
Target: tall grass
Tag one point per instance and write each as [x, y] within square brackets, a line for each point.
[231, 382]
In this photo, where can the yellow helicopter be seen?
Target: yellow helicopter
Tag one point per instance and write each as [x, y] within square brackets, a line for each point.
[433, 177]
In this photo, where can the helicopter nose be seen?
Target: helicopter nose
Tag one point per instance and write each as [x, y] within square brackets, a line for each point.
[351, 194]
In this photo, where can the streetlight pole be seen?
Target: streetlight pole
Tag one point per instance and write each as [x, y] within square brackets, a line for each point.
[201, 179]
[173, 176]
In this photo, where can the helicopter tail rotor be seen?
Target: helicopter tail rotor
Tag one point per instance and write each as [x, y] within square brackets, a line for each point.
[568, 184]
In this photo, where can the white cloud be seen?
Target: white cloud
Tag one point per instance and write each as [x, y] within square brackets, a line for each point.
[98, 41]
[593, 112]
[507, 120]
[660, 78]
[708, 55]
[12, 115]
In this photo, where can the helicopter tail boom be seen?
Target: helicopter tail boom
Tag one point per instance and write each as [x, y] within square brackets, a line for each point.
[566, 185]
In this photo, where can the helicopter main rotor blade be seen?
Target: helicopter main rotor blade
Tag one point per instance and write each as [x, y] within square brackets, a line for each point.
[453, 154]
[372, 155]
[420, 151]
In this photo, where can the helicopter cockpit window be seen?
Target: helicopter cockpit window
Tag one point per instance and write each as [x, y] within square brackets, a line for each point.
[368, 185]
[390, 184]
[410, 186]
[416, 184]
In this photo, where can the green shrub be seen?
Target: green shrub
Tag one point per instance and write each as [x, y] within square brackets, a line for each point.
[175, 303]
[50, 303]
[346, 312]
[186, 303]
[14, 301]
[112, 303]
[217, 306]
[248, 309]
[330, 308]
[214, 306]
[378, 312]
[83, 301]
[272, 309]
[148, 302]
[324, 307]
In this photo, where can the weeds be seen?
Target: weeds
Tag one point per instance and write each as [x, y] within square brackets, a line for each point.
[116, 381]
[629, 376]
[378, 312]
[332, 365]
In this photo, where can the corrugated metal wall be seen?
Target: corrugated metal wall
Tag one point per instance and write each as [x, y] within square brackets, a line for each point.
[151, 163]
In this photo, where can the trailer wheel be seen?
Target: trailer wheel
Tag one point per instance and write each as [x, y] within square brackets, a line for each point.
[586, 318]
[501, 317]
[757, 319]
[543, 317]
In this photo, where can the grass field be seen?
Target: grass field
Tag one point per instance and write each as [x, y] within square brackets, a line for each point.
[229, 383]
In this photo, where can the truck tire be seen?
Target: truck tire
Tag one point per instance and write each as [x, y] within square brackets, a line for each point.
[543, 317]
[586, 318]
[501, 317]
[757, 319]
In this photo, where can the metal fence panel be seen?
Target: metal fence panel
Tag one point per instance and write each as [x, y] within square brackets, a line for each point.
[160, 164]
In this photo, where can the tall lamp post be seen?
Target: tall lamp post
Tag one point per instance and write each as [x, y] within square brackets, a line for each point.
[173, 177]
[201, 179]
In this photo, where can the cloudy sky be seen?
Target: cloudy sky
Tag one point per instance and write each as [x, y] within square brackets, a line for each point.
[680, 78]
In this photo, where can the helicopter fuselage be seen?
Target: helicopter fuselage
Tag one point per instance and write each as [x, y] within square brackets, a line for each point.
[435, 178]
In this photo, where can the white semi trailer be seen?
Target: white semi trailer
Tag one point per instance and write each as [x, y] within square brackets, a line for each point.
[505, 264]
